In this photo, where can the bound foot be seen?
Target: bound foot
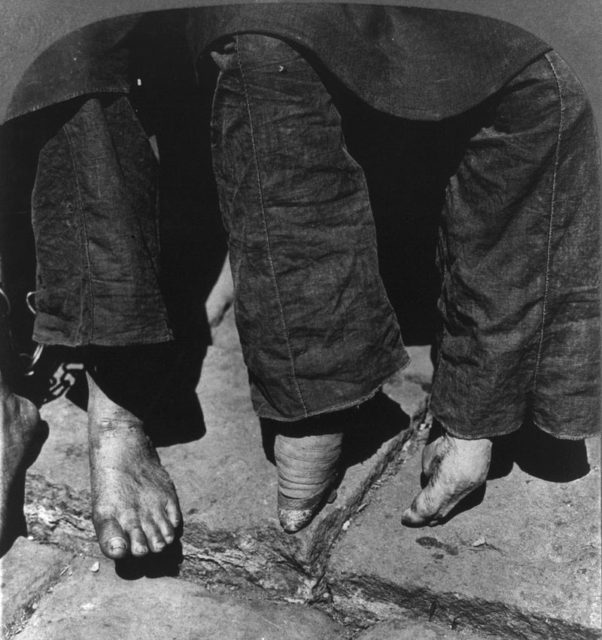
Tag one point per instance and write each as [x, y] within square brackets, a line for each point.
[22, 434]
[134, 503]
[454, 468]
[307, 470]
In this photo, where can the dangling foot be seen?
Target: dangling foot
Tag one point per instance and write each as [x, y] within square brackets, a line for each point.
[307, 470]
[134, 503]
[22, 435]
[455, 468]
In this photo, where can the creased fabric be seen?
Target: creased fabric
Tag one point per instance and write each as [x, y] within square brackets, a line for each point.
[317, 330]
[95, 221]
[519, 254]
[518, 251]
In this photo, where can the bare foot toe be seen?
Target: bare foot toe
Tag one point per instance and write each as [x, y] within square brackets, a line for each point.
[455, 467]
[167, 529]
[111, 537]
[154, 538]
[174, 516]
[139, 546]
[134, 502]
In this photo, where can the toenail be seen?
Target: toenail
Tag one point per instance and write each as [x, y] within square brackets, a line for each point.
[117, 544]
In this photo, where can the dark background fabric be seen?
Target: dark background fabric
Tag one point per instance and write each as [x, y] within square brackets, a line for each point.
[29, 27]
[412, 63]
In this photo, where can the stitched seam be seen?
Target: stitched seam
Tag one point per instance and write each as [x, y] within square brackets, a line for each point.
[226, 204]
[550, 227]
[84, 238]
[266, 232]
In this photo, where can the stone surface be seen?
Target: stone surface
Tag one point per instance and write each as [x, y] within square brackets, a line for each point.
[224, 479]
[92, 603]
[408, 630]
[409, 387]
[226, 483]
[524, 563]
[26, 572]
[64, 458]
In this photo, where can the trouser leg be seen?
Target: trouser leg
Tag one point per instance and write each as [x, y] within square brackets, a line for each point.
[519, 253]
[317, 330]
[94, 215]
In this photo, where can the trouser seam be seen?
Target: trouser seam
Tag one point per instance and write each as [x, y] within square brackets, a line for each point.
[266, 232]
[550, 224]
[226, 203]
[83, 241]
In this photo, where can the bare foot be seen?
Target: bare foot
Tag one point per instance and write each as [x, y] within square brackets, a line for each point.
[134, 503]
[454, 467]
[22, 434]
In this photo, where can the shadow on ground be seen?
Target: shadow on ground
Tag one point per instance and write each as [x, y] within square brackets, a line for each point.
[534, 451]
[155, 565]
[366, 429]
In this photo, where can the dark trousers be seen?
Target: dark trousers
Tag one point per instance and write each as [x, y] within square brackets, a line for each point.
[95, 221]
[518, 251]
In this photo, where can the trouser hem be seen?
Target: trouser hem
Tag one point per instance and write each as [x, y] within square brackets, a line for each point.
[269, 415]
[477, 436]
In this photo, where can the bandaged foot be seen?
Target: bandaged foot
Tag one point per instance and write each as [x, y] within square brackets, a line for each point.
[22, 434]
[307, 470]
[135, 508]
[454, 468]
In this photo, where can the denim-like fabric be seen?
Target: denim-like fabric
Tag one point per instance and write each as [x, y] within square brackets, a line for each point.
[317, 330]
[519, 250]
[519, 253]
[423, 64]
[94, 216]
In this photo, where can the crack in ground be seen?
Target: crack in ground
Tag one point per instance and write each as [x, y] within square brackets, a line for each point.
[294, 568]
[289, 568]
[21, 617]
[362, 598]
[277, 566]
